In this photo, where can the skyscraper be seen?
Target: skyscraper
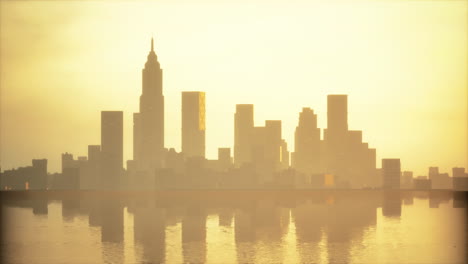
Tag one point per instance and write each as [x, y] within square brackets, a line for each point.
[347, 157]
[149, 123]
[111, 149]
[336, 134]
[391, 171]
[243, 132]
[307, 154]
[38, 180]
[193, 124]
[337, 112]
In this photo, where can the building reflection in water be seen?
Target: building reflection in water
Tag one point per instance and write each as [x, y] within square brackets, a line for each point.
[324, 226]
[149, 230]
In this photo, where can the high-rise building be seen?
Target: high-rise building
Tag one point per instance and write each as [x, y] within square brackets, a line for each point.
[406, 180]
[224, 158]
[193, 124]
[243, 132]
[111, 149]
[307, 144]
[90, 180]
[38, 181]
[337, 112]
[460, 179]
[458, 172]
[346, 156]
[433, 172]
[336, 137]
[136, 136]
[149, 122]
[273, 142]
[266, 150]
[391, 171]
[68, 161]
[284, 157]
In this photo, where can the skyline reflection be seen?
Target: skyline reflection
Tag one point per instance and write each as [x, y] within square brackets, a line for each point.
[330, 227]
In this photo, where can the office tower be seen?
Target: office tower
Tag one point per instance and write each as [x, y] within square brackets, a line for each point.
[68, 161]
[406, 180]
[433, 172]
[336, 137]
[273, 142]
[460, 179]
[284, 157]
[193, 124]
[94, 153]
[306, 156]
[149, 122]
[93, 168]
[266, 150]
[136, 136]
[337, 112]
[422, 183]
[224, 158]
[458, 172]
[391, 172]
[243, 129]
[346, 156]
[38, 180]
[111, 149]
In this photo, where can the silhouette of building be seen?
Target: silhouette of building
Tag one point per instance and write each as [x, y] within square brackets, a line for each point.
[346, 156]
[25, 178]
[148, 124]
[224, 159]
[406, 180]
[111, 149]
[243, 132]
[193, 124]
[89, 173]
[391, 171]
[284, 157]
[439, 180]
[306, 157]
[422, 183]
[266, 150]
[460, 179]
[38, 181]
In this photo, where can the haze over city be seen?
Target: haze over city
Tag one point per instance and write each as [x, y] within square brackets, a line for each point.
[402, 64]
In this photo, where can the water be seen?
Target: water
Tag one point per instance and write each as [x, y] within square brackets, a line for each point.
[236, 227]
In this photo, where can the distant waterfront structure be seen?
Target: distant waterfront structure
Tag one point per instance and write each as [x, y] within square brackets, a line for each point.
[193, 124]
[39, 180]
[224, 158]
[266, 150]
[111, 149]
[346, 155]
[406, 180]
[308, 148]
[391, 170]
[460, 179]
[260, 155]
[422, 183]
[439, 180]
[243, 132]
[25, 178]
[148, 124]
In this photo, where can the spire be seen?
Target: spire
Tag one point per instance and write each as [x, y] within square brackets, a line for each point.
[152, 44]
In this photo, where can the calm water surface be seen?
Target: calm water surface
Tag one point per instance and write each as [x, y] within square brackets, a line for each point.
[318, 227]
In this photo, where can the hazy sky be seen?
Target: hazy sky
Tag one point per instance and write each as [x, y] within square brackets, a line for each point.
[402, 63]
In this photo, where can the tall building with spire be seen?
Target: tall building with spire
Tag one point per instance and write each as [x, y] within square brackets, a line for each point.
[148, 124]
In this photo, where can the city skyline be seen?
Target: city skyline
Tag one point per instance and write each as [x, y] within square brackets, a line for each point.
[14, 155]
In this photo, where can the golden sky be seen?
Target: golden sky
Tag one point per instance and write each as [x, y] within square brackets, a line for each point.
[402, 63]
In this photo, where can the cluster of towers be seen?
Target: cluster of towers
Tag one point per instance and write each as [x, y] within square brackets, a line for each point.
[261, 158]
[341, 153]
